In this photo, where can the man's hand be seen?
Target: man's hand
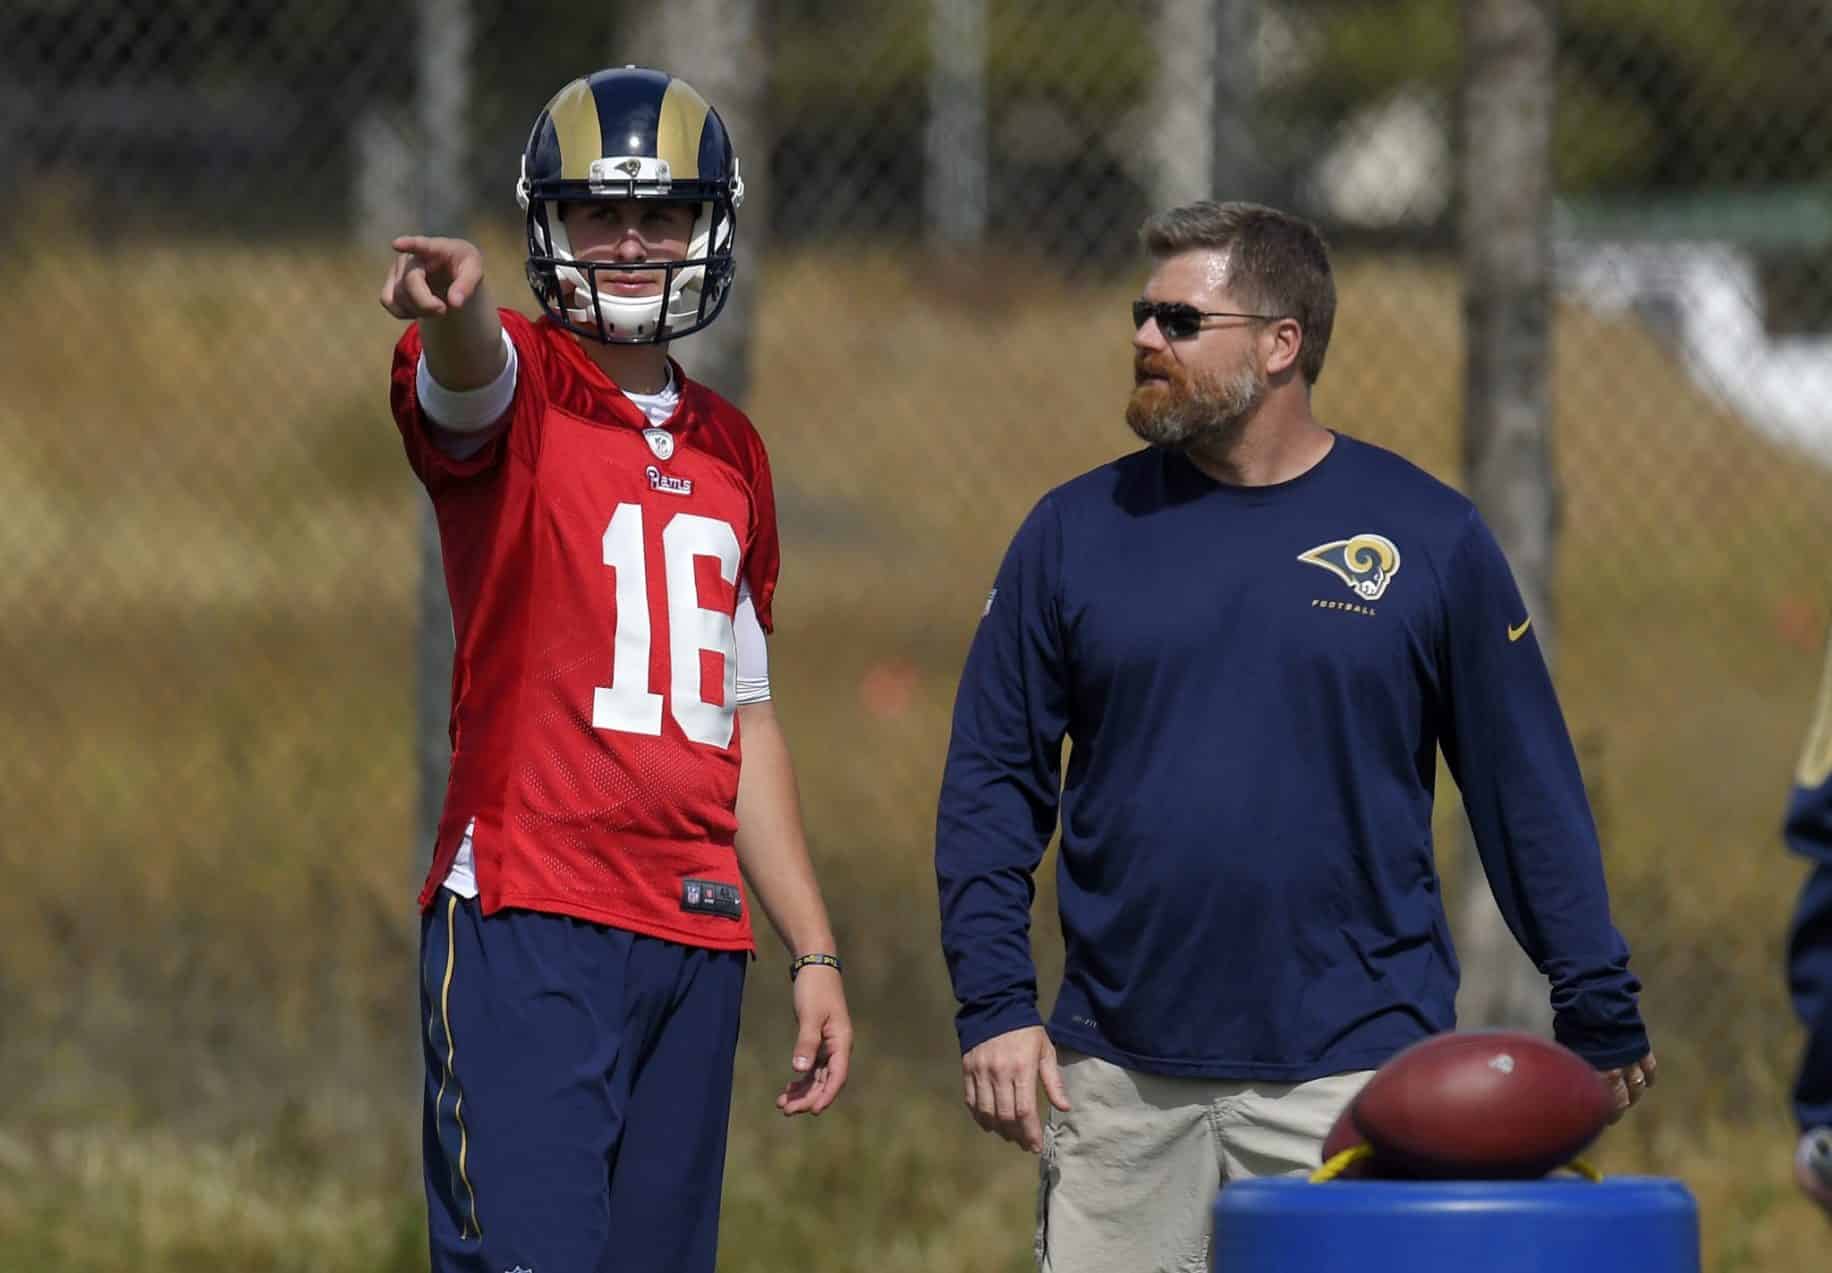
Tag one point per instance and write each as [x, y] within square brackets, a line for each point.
[823, 1043]
[1629, 1084]
[431, 277]
[1000, 1079]
[1813, 1166]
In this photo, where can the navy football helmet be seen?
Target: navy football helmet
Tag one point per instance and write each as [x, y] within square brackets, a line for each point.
[630, 133]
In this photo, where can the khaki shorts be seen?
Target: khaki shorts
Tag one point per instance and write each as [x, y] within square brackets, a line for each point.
[1130, 1172]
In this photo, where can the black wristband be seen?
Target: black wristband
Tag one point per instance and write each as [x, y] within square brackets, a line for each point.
[821, 961]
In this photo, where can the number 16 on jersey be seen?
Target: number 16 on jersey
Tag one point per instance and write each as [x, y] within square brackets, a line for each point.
[627, 704]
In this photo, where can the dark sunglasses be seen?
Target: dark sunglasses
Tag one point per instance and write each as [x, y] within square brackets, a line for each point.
[1179, 320]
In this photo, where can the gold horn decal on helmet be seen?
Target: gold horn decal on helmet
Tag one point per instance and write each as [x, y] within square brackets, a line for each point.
[1365, 562]
[573, 113]
[677, 131]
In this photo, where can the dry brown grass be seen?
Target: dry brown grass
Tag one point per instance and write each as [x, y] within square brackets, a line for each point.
[205, 944]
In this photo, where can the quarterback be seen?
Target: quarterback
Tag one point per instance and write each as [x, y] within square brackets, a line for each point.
[620, 789]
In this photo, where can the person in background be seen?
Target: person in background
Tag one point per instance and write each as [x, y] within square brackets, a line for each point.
[1809, 949]
[1257, 633]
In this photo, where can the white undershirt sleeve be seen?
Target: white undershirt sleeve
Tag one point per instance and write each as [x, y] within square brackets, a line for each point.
[468, 410]
[753, 652]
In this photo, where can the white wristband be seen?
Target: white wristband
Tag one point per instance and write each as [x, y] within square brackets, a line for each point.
[468, 410]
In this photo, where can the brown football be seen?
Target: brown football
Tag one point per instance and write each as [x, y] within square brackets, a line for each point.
[1482, 1105]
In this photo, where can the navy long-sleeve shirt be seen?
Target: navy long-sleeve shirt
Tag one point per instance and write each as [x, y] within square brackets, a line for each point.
[1255, 683]
[1809, 951]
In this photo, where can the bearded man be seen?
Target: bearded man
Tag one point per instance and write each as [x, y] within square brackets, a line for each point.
[1256, 633]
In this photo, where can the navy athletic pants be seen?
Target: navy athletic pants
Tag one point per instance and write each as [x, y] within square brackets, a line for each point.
[578, 1088]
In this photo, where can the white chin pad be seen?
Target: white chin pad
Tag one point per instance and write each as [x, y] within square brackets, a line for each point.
[627, 318]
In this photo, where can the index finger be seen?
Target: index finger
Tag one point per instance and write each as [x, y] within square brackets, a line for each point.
[827, 1090]
[797, 1095]
[1033, 1129]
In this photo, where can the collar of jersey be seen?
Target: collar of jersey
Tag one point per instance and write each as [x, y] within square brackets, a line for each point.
[621, 409]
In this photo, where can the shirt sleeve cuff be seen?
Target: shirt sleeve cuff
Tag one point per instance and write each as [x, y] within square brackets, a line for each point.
[976, 1024]
[468, 410]
[753, 655]
[1606, 1052]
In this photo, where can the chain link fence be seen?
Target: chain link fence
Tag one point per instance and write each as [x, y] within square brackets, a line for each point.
[214, 547]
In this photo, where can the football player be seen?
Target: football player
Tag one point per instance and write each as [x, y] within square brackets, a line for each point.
[1809, 833]
[610, 548]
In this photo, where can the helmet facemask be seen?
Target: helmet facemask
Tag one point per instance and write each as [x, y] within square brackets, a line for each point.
[694, 288]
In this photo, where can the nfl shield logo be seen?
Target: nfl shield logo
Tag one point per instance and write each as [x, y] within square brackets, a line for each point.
[693, 895]
[661, 442]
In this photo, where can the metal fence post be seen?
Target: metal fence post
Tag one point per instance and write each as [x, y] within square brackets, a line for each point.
[1505, 171]
[443, 100]
[957, 188]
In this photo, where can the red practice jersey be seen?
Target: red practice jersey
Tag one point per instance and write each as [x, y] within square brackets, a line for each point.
[593, 564]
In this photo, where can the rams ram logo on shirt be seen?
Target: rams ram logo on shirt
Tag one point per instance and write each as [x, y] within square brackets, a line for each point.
[1365, 562]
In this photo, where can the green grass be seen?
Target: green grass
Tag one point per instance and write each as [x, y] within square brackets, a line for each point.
[206, 938]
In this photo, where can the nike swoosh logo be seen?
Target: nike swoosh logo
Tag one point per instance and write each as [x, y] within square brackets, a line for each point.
[1514, 633]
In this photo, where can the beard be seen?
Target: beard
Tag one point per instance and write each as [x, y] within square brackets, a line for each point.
[1184, 410]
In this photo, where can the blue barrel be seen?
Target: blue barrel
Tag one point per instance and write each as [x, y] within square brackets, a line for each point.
[1557, 1225]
